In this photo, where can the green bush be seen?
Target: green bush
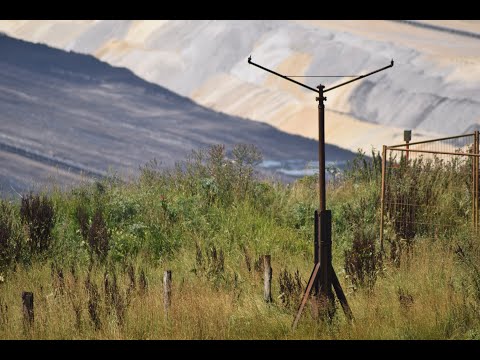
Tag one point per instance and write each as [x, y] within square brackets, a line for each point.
[10, 239]
[99, 236]
[38, 214]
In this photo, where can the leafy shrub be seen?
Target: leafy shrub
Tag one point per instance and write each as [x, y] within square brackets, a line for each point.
[38, 213]
[291, 288]
[114, 300]
[245, 158]
[427, 197]
[215, 261]
[81, 216]
[122, 207]
[210, 189]
[99, 236]
[210, 262]
[10, 245]
[93, 302]
[263, 195]
[364, 169]
[216, 176]
[302, 215]
[126, 242]
[362, 262]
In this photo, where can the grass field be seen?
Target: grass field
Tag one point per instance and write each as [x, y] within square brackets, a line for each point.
[94, 257]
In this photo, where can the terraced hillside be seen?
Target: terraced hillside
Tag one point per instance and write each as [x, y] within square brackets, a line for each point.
[432, 88]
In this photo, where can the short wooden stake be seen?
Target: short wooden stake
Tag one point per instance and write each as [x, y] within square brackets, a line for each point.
[267, 278]
[167, 291]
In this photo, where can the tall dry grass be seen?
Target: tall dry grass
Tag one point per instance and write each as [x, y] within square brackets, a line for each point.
[210, 221]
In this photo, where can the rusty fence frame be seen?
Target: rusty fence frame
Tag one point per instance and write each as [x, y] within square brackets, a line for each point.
[406, 148]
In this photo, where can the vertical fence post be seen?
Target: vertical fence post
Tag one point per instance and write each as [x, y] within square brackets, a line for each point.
[476, 150]
[27, 302]
[474, 180]
[407, 136]
[316, 248]
[382, 196]
[167, 291]
[267, 278]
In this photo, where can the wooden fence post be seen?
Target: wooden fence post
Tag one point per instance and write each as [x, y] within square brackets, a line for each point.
[167, 291]
[382, 195]
[267, 279]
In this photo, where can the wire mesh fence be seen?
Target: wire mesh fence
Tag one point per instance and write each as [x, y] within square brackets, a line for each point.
[429, 188]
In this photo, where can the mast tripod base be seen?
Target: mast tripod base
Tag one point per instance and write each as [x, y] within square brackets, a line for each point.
[323, 276]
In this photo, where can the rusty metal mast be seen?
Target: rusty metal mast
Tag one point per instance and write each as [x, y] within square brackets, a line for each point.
[323, 276]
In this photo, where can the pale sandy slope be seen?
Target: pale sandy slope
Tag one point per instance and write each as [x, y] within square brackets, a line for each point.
[433, 87]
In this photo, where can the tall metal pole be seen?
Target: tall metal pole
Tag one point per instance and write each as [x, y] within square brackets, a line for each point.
[323, 275]
[321, 148]
[324, 281]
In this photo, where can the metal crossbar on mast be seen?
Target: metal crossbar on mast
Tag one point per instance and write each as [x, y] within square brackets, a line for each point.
[323, 276]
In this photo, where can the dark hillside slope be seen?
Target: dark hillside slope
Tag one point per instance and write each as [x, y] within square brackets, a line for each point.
[73, 112]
